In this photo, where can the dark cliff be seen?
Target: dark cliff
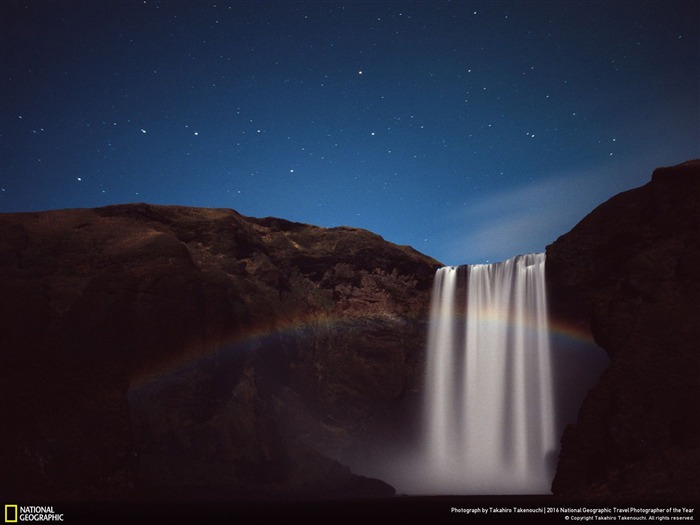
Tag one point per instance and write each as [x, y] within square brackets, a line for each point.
[158, 351]
[630, 271]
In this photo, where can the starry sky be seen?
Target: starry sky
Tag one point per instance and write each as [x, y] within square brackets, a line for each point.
[472, 131]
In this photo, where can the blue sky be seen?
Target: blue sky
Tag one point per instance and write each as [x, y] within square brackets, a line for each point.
[472, 131]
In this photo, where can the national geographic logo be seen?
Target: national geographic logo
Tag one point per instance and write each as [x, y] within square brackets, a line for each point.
[19, 514]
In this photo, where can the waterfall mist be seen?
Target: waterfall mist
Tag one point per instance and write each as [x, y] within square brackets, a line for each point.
[501, 384]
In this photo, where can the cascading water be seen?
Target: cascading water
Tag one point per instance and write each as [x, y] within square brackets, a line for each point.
[489, 414]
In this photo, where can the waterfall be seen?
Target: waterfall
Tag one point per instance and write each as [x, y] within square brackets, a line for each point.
[489, 411]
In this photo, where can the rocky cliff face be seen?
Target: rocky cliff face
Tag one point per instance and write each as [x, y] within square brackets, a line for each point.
[630, 271]
[183, 352]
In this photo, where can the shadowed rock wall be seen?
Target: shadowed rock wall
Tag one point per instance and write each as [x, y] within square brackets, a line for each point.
[630, 271]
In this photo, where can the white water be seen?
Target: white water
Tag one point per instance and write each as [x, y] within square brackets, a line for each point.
[489, 413]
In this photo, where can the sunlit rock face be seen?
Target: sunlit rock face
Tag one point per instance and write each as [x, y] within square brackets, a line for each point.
[185, 352]
[631, 271]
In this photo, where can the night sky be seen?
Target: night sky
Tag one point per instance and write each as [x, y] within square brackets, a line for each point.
[472, 131]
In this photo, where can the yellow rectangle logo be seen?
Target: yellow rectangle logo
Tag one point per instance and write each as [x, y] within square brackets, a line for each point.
[10, 513]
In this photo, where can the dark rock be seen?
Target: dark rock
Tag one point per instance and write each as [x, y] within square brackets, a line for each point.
[630, 271]
[184, 352]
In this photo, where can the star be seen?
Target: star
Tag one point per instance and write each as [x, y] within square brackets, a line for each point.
[293, 107]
